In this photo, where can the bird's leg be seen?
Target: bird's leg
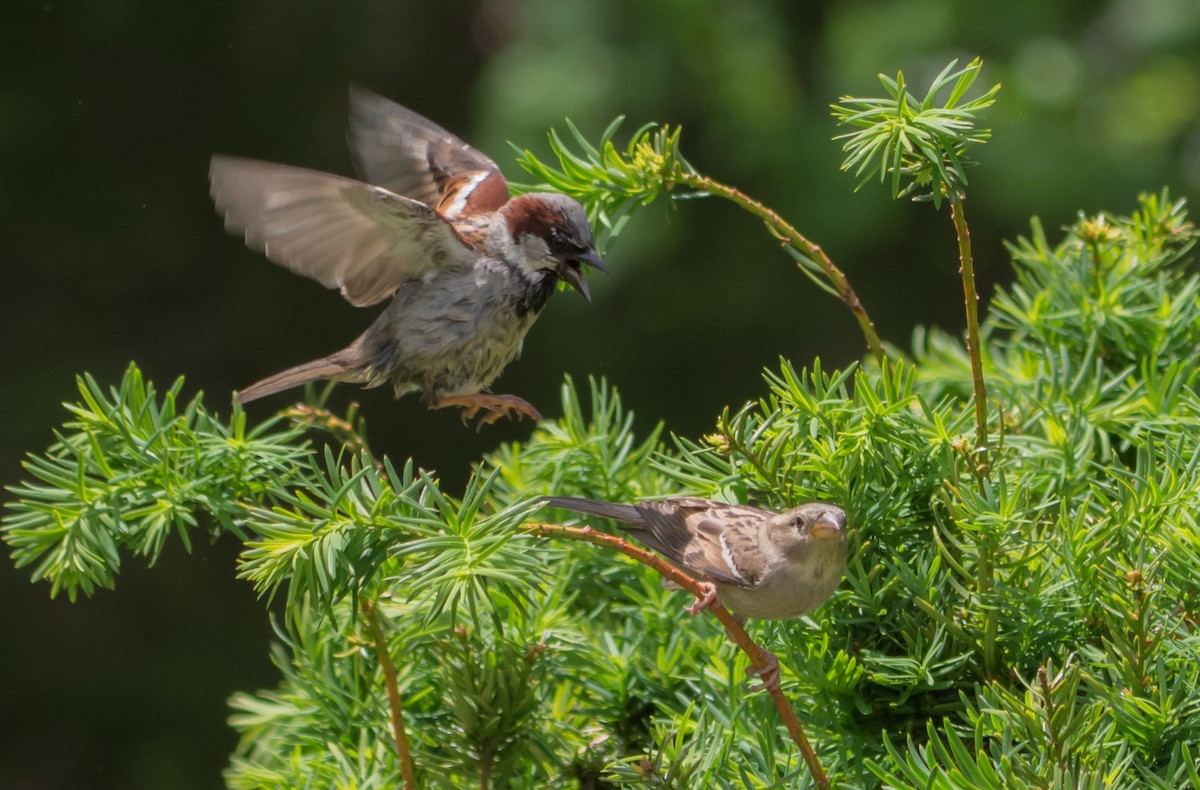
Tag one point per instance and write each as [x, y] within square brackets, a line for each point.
[769, 675]
[493, 406]
[704, 601]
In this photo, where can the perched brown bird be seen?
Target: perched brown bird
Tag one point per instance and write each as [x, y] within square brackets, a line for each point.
[431, 226]
[773, 566]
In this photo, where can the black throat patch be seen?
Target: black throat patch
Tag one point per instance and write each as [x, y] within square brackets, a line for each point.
[534, 293]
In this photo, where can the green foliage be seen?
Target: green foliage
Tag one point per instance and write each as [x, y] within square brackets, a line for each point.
[129, 470]
[920, 145]
[610, 183]
[1037, 625]
[925, 145]
[1112, 290]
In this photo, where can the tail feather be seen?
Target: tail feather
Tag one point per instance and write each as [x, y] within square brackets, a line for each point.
[624, 513]
[331, 367]
[639, 527]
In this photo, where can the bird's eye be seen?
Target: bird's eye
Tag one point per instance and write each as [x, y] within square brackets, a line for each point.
[558, 243]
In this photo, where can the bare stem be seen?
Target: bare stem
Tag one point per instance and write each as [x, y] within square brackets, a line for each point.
[974, 348]
[393, 693]
[758, 656]
[979, 458]
[485, 770]
[794, 239]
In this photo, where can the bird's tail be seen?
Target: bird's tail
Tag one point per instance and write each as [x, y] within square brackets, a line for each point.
[625, 513]
[340, 366]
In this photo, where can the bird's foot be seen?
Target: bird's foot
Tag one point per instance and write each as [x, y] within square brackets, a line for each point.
[768, 675]
[704, 601]
[493, 407]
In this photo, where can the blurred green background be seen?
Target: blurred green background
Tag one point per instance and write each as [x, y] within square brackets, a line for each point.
[112, 252]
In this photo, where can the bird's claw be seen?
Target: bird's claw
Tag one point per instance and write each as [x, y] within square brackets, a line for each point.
[768, 675]
[493, 406]
[704, 601]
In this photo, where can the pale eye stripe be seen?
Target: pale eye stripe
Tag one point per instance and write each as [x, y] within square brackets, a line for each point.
[460, 197]
[727, 556]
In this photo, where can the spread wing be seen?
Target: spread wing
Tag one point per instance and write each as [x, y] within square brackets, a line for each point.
[399, 150]
[364, 240]
[713, 540]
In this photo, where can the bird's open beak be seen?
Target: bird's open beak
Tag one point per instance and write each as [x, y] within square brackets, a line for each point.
[826, 527]
[572, 271]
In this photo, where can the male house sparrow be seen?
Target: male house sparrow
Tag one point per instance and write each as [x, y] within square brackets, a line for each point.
[758, 563]
[431, 225]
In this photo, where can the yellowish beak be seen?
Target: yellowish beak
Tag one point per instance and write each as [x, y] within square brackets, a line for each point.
[826, 527]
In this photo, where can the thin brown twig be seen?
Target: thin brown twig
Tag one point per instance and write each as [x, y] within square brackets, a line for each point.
[801, 244]
[485, 771]
[758, 656]
[399, 733]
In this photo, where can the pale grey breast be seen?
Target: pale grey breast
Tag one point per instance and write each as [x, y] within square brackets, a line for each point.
[448, 335]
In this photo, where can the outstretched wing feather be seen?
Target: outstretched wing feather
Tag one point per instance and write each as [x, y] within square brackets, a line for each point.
[363, 240]
[409, 155]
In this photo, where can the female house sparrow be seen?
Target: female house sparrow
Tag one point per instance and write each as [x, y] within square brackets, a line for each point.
[759, 564]
[430, 225]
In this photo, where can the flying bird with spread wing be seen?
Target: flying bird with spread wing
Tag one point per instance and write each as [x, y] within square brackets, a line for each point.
[431, 226]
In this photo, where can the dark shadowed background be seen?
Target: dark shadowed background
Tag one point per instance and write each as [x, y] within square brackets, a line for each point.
[111, 250]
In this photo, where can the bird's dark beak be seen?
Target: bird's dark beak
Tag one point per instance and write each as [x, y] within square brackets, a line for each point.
[826, 526]
[593, 259]
[571, 270]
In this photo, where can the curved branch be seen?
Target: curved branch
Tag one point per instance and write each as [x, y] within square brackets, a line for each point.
[782, 230]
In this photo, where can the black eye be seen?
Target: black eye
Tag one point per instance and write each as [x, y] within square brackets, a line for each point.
[558, 242]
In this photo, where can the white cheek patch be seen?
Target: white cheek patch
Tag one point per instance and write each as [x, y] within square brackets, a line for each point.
[533, 254]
